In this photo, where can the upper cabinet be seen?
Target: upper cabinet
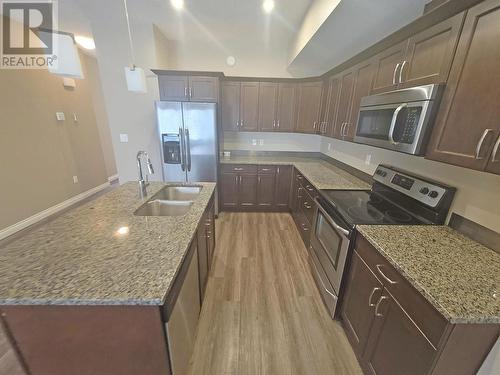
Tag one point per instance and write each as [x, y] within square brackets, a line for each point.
[331, 106]
[230, 106]
[188, 88]
[249, 106]
[268, 97]
[344, 106]
[286, 107]
[423, 59]
[309, 106]
[467, 129]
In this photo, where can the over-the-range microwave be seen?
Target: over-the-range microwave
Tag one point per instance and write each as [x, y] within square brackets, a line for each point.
[399, 120]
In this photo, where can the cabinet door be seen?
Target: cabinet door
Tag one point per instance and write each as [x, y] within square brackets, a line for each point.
[265, 190]
[396, 345]
[346, 89]
[229, 190]
[268, 96]
[202, 254]
[430, 53]
[230, 106]
[309, 107]
[249, 106]
[211, 233]
[362, 87]
[363, 291]
[387, 65]
[468, 121]
[332, 105]
[286, 108]
[493, 165]
[283, 184]
[174, 88]
[203, 89]
[247, 191]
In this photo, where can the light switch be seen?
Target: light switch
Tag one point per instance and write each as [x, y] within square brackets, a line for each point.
[261, 142]
[75, 117]
[60, 116]
[124, 138]
[75, 179]
[254, 142]
[368, 159]
[329, 147]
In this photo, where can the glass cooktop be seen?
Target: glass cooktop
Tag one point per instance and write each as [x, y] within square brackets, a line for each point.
[365, 207]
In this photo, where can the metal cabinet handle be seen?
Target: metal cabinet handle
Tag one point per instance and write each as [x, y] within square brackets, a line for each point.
[307, 205]
[299, 177]
[191, 92]
[309, 188]
[393, 123]
[495, 150]
[379, 269]
[370, 304]
[237, 169]
[240, 180]
[241, 123]
[278, 169]
[314, 125]
[258, 180]
[401, 72]
[378, 305]
[185, 91]
[278, 124]
[274, 124]
[480, 143]
[395, 72]
[346, 129]
[265, 169]
[304, 228]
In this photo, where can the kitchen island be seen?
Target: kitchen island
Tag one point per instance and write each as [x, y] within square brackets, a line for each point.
[93, 290]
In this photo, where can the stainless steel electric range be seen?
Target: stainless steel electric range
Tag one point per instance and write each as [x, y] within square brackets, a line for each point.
[397, 197]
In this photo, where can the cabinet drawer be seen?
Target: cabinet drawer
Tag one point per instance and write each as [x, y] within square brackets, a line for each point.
[310, 189]
[266, 169]
[308, 206]
[425, 316]
[239, 168]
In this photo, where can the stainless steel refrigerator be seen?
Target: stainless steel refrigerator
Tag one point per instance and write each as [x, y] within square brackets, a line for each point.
[188, 139]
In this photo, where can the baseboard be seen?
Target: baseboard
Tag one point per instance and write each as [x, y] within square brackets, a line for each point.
[113, 178]
[10, 230]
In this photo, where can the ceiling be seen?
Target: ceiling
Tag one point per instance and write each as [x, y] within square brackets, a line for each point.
[205, 32]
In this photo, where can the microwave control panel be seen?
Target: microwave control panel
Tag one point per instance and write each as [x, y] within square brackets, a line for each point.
[409, 127]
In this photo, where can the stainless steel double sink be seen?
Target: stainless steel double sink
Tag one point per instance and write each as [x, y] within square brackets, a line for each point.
[172, 200]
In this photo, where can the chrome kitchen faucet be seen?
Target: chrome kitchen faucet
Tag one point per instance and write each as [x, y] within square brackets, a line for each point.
[143, 184]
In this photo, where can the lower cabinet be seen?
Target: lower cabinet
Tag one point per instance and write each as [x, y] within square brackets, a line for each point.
[255, 188]
[206, 246]
[394, 330]
[303, 205]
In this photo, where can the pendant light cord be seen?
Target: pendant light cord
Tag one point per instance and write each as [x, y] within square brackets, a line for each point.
[129, 34]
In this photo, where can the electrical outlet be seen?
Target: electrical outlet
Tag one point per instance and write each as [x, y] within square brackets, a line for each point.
[368, 159]
[254, 142]
[329, 146]
[75, 117]
[75, 179]
[60, 116]
[124, 138]
[261, 142]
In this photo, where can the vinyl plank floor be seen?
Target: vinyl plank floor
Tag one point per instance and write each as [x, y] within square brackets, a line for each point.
[262, 313]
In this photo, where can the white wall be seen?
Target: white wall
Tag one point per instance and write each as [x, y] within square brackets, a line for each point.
[491, 365]
[477, 195]
[271, 141]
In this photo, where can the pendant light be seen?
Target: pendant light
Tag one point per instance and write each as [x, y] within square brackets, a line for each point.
[135, 77]
[68, 62]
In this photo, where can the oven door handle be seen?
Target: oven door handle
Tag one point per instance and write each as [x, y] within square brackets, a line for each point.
[393, 122]
[344, 231]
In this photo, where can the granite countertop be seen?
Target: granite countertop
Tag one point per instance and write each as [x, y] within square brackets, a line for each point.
[459, 276]
[320, 173]
[81, 258]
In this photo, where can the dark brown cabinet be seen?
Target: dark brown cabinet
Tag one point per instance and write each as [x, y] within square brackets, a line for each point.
[230, 106]
[255, 188]
[266, 185]
[206, 245]
[467, 128]
[344, 106]
[394, 329]
[189, 88]
[268, 96]
[283, 186]
[423, 59]
[286, 108]
[363, 291]
[309, 105]
[396, 344]
[249, 106]
[303, 205]
[331, 106]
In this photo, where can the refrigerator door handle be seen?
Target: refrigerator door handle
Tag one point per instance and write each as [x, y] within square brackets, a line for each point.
[188, 150]
[183, 148]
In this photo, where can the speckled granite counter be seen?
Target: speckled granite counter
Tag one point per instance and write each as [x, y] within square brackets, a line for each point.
[320, 173]
[460, 277]
[81, 257]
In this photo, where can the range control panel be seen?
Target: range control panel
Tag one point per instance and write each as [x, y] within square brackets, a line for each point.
[424, 191]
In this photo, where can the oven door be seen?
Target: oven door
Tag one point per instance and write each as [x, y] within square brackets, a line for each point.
[330, 244]
[400, 127]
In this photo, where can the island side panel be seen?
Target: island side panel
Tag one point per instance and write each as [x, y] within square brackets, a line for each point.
[84, 340]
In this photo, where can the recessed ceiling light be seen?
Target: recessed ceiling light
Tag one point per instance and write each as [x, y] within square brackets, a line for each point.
[85, 42]
[177, 4]
[268, 6]
[122, 231]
